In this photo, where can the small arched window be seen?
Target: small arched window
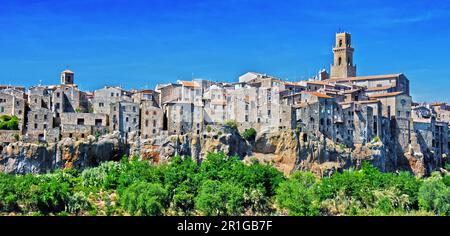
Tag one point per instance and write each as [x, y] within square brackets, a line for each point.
[340, 42]
[340, 61]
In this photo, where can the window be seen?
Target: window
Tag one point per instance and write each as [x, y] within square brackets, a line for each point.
[340, 61]
[45, 117]
[134, 109]
[98, 122]
[112, 94]
[269, 112]
[35, 117]
[80, 121]
[2, 109]
[340, 42]
[246, 118]
[35, 126]
[147, 113]
[58, 95]
[146, 123]
[154, 123]
[126, 119]
[134, 120]
[154, 113]
[154, 131]
[398, 113]
[45, 126]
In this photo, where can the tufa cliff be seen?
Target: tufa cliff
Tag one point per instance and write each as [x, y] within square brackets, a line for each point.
[284, 150]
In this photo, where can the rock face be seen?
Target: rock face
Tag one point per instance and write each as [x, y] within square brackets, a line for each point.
[22, 158]
[284, 150]
[225, 140]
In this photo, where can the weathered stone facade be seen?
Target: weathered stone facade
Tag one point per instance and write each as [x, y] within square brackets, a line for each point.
[333, 120]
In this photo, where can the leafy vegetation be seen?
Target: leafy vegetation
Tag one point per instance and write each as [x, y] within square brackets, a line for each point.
[232, 124]
[220, 185]
[9, 122]
[249, 134]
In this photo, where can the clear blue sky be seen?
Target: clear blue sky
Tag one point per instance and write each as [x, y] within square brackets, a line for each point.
[139, 43]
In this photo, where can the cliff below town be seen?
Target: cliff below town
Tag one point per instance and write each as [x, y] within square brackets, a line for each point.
[284, 150]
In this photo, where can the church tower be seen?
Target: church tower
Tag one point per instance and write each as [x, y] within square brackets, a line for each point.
[67, 77]
[343, 57]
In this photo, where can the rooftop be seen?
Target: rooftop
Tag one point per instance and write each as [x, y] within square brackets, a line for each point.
[371, 77]
[382, 95]
[317, 94]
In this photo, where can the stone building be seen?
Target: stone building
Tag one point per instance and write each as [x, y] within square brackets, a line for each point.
[81, 125]
[40, 121]
[103, 98]
[179, 117]
[124, 117]
[151, 119]
[13, 105]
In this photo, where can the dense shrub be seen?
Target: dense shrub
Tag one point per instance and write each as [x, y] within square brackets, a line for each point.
[232, 124]
[9, 122]
[434, 195]
[8, 197]
[217, 198]
[296, 195]
[220, 185]
[249, 134]
[105, 176]
[144, 199]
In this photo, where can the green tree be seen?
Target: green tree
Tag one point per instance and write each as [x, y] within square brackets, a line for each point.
[9, 122]
[105, 176]
[249, 134]
[231, 124]
[296, 195]
[8, 197]
[217, 198]
[434, 195]
[144, 199]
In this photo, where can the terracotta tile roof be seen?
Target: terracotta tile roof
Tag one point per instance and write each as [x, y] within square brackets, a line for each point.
[372, 77]
[359, 102]
[435, 104]
[291, 95]
[317, 94]
[13, 87]
[68, 72]
[379, 88]
[319, 82]
[291, 83]
[381, 95]
[189, 84]
[351, 91]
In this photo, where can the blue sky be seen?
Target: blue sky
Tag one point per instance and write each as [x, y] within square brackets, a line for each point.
[139, 43]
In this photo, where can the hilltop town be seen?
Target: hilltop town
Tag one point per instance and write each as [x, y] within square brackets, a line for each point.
[340, 108]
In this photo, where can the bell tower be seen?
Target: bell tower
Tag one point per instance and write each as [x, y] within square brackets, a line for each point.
[343, 66]
[67, 77]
